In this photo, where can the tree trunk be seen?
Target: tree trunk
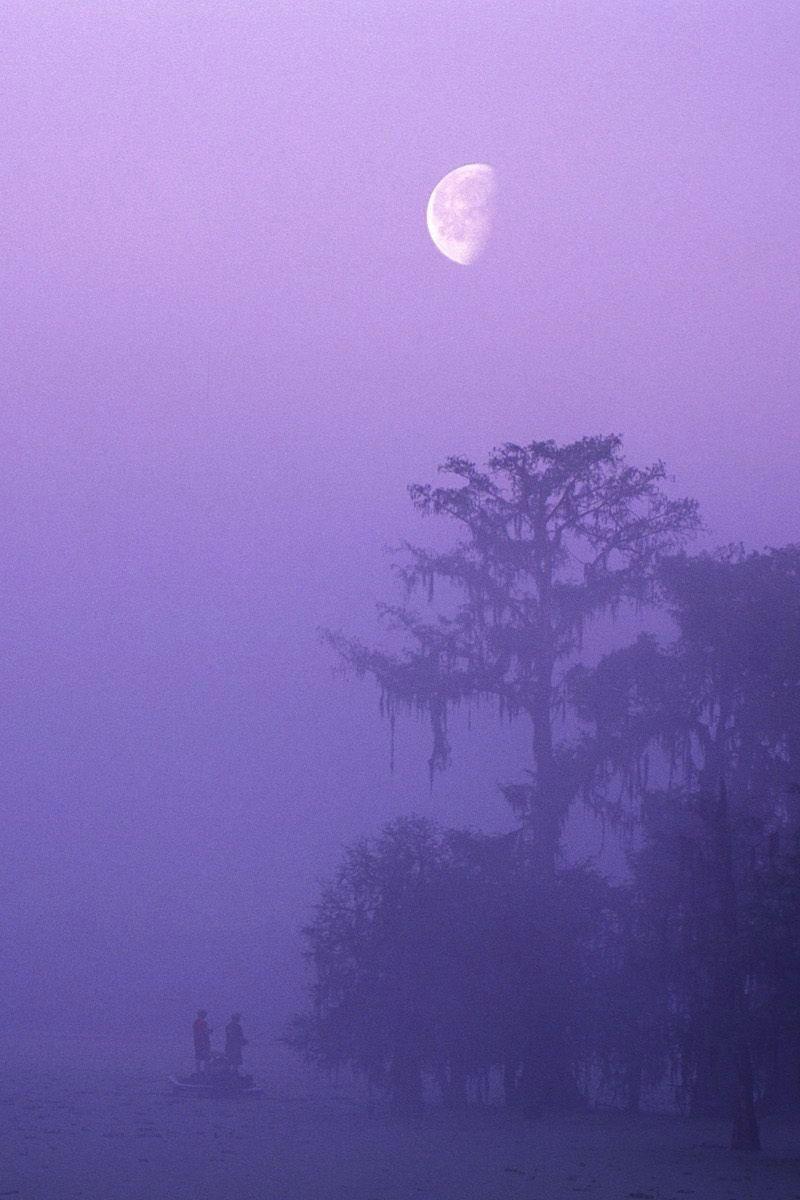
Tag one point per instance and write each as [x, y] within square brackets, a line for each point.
[710, 1074]
[545, 817]
[782, 1075]
[634, 1070]
[745, 1134]
[452, 1080]
[511, 1089]
[406, 1084]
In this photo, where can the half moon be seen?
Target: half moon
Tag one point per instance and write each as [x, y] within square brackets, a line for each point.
[460, 212]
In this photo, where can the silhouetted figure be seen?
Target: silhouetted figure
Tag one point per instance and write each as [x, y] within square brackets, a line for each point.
[202, 1040]
[234, 1041]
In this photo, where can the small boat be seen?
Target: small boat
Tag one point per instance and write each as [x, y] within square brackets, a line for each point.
[214, 1083]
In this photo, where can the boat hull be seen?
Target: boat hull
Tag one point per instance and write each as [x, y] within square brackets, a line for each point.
[192, 1088]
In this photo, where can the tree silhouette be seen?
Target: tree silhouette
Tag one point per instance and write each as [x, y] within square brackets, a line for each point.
[434, 955]
[718, 709]
[551, 536]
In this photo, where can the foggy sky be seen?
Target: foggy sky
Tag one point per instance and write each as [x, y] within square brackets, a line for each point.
[228, 345]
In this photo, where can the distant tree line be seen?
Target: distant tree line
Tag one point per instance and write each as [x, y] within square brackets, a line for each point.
[456, 957]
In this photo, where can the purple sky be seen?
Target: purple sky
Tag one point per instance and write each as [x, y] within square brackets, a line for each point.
[228, 344]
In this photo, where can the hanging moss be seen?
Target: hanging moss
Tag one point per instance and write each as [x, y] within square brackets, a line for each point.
[549, 537]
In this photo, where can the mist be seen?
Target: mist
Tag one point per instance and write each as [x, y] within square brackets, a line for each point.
[229, 346]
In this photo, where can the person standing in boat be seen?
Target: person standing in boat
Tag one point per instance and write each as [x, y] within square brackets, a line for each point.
[202, 1040]
[234, 1041]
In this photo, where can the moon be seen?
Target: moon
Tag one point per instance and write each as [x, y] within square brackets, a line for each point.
[460, 212]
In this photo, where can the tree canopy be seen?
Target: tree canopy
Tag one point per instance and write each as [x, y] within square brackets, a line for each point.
[451, 955]
[549, 537]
